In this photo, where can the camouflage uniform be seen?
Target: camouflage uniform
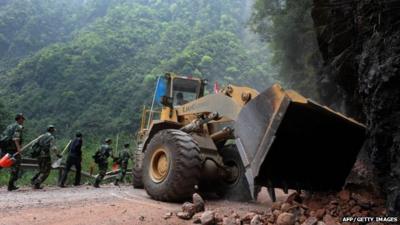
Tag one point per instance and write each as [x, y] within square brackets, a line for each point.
[123, 160]
[12, 133]
[105, 151]
[47, 144]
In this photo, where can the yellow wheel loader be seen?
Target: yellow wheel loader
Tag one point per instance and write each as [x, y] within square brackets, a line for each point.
[237, 140]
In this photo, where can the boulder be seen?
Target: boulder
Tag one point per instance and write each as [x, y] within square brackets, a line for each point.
[286, 219]
[208, 218]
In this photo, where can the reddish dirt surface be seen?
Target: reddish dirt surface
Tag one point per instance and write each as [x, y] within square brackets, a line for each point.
[107, 205]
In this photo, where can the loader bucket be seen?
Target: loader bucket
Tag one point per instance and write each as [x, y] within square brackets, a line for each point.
[290, 142]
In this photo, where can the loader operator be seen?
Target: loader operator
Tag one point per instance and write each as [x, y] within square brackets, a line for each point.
[11, 142]
[74, 159]
[101, 158]
[46, 144]
[179, 99]
[123, 160]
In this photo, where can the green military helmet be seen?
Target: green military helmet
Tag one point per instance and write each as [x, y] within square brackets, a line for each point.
[19, 116]
[51, 128]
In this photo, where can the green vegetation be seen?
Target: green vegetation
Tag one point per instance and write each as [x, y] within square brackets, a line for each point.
[94, 70]
[287, 27]
[91, 65]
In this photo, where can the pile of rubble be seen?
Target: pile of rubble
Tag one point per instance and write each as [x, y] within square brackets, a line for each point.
[324, 209]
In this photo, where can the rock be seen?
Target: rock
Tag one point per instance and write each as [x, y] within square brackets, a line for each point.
[285, 207]
[352, 202]
[196, 218]
[355, 209]
[310, 221]
[189, 208]
[286, 219]
[229, 221]
[235, 215]
[141, 218]
[362, 201]
[364, 213]
[167, 215]
[218, 218]
[328, 219]
[333, 202]
[301, 219]
[184, 215]
[320, 213]
[197, 221]
[247, 218]
[256, 220]
[276, 212]
[294, 197]
[344, 195]
[271, 219]
[320, 223]
[198, 202]
[208, 218]
[276, 206]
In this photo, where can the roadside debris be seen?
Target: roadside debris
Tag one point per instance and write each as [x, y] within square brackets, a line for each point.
[305, 209]
[167, 215]
[208, 218]
[190, 209]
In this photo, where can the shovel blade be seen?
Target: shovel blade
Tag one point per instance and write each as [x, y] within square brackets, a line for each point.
[7, 161]
[56, 163]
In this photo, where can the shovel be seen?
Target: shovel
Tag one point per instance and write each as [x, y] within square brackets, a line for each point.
[8, 160]
[57, 163]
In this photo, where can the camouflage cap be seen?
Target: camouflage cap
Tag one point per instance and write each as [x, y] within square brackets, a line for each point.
[19, 116]
[51, 127]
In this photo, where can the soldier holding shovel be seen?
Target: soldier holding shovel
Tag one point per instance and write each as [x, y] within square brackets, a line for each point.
[46, 144]
[11, 142]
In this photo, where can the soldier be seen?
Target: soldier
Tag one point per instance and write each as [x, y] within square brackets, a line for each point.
[123, 160]
[101, 158]
[11, 143]
[74, 159]
[47, 145]
[180, 99]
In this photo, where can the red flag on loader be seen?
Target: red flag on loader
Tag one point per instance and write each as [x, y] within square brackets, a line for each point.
[216, 87]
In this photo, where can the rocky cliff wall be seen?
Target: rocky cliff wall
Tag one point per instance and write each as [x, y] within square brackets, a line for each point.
[360, 44]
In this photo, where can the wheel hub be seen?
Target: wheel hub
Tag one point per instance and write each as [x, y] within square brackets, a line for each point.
[233, 173]
[159, 165]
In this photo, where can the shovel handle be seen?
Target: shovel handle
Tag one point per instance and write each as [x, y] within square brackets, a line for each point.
[62, 153]
[27, 145]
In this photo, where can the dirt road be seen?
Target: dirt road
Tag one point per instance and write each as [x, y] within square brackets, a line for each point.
[107, 205]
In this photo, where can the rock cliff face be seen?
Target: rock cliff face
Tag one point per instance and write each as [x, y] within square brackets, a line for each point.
[360, 44]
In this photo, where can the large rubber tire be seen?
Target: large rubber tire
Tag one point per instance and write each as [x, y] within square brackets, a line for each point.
[183, 170]
[237, 188]
[137, 178]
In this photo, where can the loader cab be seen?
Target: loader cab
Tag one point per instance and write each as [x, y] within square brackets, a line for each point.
[185, 89]
[173, 90]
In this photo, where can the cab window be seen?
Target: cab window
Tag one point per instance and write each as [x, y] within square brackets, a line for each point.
[185, 90]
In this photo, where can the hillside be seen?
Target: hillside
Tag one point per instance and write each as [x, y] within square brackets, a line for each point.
[91, 65]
